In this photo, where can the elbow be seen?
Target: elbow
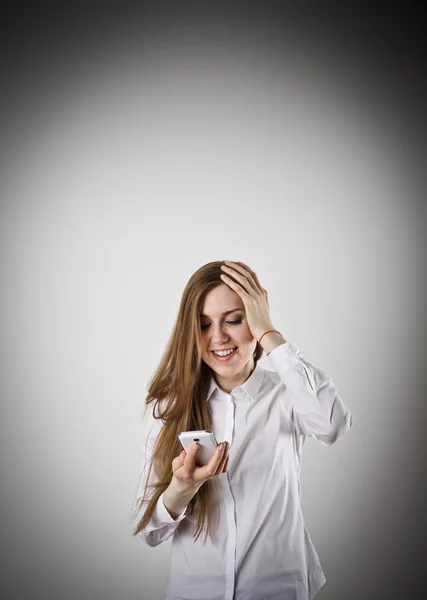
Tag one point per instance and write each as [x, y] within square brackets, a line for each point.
[337, 432]
[154, 537]
[149, 539]
[149, 536]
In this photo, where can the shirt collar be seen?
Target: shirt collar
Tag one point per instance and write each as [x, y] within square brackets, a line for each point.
[251, 385]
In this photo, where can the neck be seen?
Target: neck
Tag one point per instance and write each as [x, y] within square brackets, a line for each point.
[228, 384]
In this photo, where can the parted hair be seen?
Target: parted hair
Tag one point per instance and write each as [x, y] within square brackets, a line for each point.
[178, 390]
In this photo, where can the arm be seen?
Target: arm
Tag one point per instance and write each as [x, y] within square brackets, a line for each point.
[171, 506]
[315, 407]
[176, 498]
[312, 401]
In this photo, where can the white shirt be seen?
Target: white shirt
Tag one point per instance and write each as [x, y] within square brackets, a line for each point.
[261, 549]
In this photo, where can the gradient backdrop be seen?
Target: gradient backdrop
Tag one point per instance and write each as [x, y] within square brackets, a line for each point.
[139, 143]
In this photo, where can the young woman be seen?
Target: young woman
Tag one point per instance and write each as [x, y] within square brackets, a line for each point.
[256, 545]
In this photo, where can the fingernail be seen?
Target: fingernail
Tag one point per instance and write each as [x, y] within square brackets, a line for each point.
[195, 446]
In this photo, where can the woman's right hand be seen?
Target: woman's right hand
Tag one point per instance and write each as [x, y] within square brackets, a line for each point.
[188, 475]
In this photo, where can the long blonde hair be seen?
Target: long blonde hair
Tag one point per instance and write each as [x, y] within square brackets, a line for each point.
[182, 381]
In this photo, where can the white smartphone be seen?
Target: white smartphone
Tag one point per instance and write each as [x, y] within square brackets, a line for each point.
[206, 440]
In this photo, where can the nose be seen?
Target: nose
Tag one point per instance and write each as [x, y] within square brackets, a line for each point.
[219, 335]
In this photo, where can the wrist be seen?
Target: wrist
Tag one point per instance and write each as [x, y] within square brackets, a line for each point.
[183, 489]
[261, 330]
[271, 340]
[176, 497]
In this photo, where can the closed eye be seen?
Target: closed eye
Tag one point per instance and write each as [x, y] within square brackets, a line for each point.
[227, 322]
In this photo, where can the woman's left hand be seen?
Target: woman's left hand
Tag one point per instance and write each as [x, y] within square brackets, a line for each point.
[253, 295]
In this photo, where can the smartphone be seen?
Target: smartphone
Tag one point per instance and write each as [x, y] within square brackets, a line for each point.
[206, 440]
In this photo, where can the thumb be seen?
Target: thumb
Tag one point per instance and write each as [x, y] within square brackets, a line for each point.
[181, 458]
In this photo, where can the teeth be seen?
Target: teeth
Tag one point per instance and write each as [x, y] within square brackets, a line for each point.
[224, 353]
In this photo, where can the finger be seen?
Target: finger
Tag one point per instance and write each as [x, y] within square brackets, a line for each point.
[190, 459]
[243, 276]
[236, 287]
[254, 275]
[212, 466]
[226, 464]
[178, 461]
[222, 462]
[255, 278]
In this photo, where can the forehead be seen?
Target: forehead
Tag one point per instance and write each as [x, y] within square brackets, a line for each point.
[219, 300]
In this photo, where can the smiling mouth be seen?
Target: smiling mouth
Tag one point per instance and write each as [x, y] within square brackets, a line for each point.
[227, 356]
[225, 349]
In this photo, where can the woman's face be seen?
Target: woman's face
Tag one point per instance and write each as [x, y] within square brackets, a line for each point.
[220, 331]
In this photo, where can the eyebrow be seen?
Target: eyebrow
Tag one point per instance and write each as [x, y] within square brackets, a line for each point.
[227, 312]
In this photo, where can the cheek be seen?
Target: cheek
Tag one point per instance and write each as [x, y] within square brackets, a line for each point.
[245, 335]
[204, 343]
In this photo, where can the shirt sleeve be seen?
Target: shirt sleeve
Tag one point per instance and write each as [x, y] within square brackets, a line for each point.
[315, 407]
[161, 525]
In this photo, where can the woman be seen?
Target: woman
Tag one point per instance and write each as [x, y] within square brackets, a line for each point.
[248, 495]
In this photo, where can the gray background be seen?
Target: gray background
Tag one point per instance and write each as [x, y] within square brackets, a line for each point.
[138, 145]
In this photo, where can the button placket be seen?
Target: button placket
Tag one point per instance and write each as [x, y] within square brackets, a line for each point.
[230, 508]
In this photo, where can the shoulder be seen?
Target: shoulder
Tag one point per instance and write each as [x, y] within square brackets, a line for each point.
[271, 380]
[269, 373]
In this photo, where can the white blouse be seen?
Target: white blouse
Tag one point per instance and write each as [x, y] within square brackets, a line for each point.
[261, 549]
